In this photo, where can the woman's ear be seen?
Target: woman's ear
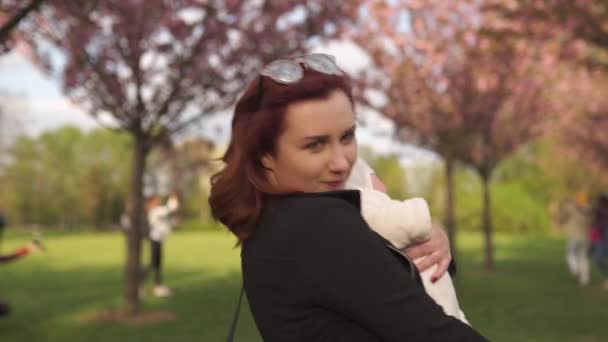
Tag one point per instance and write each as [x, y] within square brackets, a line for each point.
[267, 162]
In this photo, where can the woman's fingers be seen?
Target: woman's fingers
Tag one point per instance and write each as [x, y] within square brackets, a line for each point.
[424, 249]
[442, 267]
[436, 250]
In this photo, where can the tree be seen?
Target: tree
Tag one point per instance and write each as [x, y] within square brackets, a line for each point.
[66, 178]
[412, 44]
[574, 21]
[583, 136]
[11, 109]
[509, 100]
[155, 68]
[461, 83]
[12, 12]
[581, 24]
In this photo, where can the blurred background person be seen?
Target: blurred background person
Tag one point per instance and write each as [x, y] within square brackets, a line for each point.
[160, 223]
[599, 238]
[576, 223]
[32, 246]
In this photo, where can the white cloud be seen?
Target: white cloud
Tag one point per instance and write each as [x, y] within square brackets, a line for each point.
[50, 113]
[11, 63]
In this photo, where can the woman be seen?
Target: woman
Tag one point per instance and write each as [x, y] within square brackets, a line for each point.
[33, 246]
[159, 217]
[313, 270]
[576, 222]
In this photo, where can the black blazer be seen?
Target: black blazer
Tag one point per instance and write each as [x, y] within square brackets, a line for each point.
[315, 271]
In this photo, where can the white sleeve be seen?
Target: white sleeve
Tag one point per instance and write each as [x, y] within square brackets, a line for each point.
[443, 292]
[403, 223]
[400, 222]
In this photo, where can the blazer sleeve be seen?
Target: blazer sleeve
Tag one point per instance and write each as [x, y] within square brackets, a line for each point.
[347, 268]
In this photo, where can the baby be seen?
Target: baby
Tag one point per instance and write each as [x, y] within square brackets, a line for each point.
[403, 223]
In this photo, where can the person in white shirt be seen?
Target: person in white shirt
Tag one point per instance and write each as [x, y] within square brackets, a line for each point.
[576, 224]
[402, 223]
[160, 224]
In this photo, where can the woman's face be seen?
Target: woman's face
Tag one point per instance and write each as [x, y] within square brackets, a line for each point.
[317, 148]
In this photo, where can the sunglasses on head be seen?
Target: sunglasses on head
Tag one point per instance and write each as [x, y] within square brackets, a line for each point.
[289, 71]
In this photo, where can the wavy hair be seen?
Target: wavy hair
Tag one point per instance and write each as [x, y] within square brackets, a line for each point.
[241, 189]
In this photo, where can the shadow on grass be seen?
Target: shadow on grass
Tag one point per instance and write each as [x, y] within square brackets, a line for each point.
[530, 296]
[52, 305]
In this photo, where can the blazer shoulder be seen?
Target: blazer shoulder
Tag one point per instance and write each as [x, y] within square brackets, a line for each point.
[302, 220]
[314, 207]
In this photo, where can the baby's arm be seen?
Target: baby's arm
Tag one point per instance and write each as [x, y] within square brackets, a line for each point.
[400, 222]
[404, 223]
[443, 292]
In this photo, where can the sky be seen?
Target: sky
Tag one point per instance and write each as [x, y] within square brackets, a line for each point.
[43, 107]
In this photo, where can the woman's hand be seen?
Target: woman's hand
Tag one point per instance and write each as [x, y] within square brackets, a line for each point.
[436, 250]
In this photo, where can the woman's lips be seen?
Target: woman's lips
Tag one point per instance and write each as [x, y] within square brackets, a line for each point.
[337, 185]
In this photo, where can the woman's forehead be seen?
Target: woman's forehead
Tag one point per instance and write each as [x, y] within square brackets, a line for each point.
[320, 116]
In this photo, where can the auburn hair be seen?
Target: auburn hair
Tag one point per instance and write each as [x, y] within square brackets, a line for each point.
[241, 189]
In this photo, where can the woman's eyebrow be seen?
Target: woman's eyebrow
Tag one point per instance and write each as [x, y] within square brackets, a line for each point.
[316, 137]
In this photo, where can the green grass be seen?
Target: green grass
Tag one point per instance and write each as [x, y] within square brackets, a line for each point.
[529, 298]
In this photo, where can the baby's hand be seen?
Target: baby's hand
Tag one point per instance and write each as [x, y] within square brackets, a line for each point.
[377, 183]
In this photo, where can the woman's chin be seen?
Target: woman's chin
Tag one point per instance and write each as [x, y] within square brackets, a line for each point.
[333, 186]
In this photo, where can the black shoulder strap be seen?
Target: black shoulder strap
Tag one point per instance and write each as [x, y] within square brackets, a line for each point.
[235, 320]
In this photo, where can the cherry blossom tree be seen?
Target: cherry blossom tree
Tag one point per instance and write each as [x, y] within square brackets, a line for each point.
[583, 135]
[12, 12]
[582, 22]
[154, 68]
[461, 82]
[517, 92]
[411, 55]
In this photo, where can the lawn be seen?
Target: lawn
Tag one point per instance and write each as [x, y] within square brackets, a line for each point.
[529, 298]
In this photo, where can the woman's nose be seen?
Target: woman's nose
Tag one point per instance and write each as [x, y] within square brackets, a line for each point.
[339, 162]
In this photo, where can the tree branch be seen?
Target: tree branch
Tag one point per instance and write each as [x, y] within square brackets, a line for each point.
[8, 27]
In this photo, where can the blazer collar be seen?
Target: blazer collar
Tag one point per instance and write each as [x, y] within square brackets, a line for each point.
[351, 196]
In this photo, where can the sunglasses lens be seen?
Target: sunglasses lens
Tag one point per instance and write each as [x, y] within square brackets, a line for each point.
[283, 71]
[322, 63]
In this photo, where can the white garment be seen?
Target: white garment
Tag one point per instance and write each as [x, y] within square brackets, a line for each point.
[360, 176]
[576, 225]
[403, 223]
[577, 260]
[159, 220]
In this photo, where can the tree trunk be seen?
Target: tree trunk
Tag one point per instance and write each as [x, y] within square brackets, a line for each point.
[487, 224]
[7, 27]
[449, 219]
[134, 234]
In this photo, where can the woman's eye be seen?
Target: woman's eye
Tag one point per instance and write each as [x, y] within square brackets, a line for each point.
[314, 146]
[348, 137]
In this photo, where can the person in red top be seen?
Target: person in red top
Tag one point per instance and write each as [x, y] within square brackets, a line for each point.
[599, 236]
[33, 246]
